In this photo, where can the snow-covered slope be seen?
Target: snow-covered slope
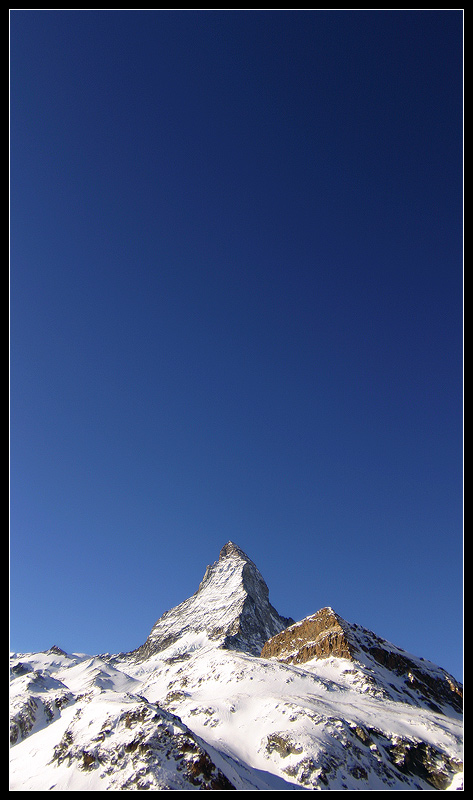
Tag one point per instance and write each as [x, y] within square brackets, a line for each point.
[106, 737]
[192, 711]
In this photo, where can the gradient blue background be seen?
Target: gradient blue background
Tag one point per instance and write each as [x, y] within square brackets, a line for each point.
[236, 313]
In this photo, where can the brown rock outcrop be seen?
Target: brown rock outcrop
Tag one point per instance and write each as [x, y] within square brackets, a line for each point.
[402, 675]
[319, 636]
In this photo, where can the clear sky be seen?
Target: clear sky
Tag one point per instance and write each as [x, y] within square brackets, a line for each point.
[236, 313]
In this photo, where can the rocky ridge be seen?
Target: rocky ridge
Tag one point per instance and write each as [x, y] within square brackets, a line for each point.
[326, 635]
[137, 746]
[320, 635]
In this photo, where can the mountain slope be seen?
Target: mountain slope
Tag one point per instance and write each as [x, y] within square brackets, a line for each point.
[326, 706]
[402, 676]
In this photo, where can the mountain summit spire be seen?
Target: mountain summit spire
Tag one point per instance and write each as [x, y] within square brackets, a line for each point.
[230, 549]
[230, 609]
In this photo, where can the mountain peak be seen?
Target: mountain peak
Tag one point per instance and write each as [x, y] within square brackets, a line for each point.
[231, 609]
[231, 550]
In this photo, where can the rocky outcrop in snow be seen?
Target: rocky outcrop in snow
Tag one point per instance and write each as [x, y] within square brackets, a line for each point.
[321, 635]
[37, 700]
[326, 635]
[137, 745]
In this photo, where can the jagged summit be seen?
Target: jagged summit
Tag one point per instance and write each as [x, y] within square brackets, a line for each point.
[230, 608]
[231, 550]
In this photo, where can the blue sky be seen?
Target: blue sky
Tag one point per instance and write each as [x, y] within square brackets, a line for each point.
[236, 282]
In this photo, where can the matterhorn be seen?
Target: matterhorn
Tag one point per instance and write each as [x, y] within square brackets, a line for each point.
[231, 608]
[227, 694]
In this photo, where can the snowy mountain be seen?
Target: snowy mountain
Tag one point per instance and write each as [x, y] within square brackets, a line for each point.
[327, 704]
[231, 608]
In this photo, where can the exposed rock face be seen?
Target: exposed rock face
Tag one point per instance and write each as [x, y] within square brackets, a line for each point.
[137, 746]
[325, 634]
[40, 702]
[321, 635]
[231, 607]
[433, 684]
